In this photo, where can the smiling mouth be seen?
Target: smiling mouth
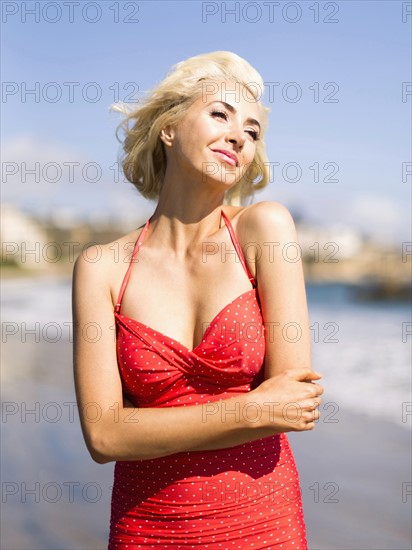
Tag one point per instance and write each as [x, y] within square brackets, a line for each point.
[226, 158]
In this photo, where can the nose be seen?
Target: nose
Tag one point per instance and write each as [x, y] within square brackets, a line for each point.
[236, 136]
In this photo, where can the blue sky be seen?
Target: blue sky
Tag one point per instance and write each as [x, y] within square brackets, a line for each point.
[359, 61]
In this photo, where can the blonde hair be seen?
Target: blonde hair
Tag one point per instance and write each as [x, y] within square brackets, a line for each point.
[143, 159]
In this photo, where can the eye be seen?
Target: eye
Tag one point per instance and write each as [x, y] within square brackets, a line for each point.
[220, 114]
[254, 134]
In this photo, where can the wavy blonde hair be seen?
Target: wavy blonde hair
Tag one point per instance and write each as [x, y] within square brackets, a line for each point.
[143, 157]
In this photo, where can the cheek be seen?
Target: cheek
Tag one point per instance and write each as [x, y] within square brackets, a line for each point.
[187, 148]
[249, 152]
[184, 141]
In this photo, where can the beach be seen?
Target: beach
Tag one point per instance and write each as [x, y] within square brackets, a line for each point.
[355, 478]
[354, 467]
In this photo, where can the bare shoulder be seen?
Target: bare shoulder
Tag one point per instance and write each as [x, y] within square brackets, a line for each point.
[97, 269]
[265, 220]
[98, 259]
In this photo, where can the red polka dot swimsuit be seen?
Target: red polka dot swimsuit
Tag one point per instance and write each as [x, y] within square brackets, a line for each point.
[242, 497]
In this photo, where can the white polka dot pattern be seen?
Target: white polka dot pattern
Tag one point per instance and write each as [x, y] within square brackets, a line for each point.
[158, 371]
[242, 497]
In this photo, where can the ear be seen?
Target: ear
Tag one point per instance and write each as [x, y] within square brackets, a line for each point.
[167, 135]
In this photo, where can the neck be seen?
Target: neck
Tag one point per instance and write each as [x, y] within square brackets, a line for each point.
[181, 222]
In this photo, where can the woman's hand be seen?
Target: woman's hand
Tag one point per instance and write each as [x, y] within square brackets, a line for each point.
[286, 402]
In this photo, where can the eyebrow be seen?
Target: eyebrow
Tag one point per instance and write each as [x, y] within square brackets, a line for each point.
[233, 110]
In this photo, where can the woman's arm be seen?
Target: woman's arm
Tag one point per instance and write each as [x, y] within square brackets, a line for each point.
[281, 287]
[113, 432]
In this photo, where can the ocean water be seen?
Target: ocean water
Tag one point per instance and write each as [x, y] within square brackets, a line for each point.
[363, 349]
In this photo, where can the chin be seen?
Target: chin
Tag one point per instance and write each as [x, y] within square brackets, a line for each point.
[229, 176]
[225, 186]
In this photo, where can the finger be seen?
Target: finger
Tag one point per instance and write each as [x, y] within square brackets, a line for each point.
[310, 425]
[316, 390]
[309, 405]
[310, 414]
[313, 415]
[312, 391]
[319, 389]
[306, 375]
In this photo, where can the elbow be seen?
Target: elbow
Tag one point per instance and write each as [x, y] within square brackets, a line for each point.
[99, 451]
[100, 458]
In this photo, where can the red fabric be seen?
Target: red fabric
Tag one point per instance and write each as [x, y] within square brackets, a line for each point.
[242, 497]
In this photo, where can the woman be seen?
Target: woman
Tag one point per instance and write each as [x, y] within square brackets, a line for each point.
[210, 364]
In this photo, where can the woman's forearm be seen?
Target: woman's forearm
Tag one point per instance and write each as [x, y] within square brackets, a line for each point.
[145, 433]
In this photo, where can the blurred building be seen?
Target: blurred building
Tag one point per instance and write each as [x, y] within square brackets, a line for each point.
[22, 239]
[335, 253]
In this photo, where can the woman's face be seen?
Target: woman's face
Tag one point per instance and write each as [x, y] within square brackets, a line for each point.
[216, 139]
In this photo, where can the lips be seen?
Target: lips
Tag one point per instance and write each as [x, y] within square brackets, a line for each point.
[228, 156]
